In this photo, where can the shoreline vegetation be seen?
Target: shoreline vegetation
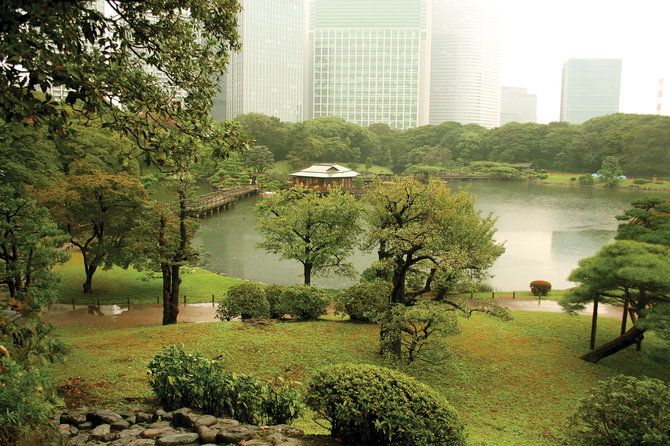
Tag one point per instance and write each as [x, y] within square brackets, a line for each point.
[116, 286]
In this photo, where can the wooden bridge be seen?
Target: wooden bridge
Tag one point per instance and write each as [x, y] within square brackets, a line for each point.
[220, 200]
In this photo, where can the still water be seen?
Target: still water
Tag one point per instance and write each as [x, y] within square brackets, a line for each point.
[546, 230]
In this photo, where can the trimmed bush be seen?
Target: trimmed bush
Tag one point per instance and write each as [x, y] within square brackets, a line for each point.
[624, 411]
[273, 296]
[246, 300]
[540, 288]
[586, 180]
[303, 302]
[373, 405]
[364, 301]
[640, 181]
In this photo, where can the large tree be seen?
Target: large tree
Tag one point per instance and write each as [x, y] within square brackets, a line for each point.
[105, 61]
[434, 237]
[319, 231]
[647, 221]
[427, 230]
[98, 210]
[633, 273]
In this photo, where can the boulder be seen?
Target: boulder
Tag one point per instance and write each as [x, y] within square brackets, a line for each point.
[74, 416]
[100, 432]
[179, 439]
[235, 434]
[103, 416]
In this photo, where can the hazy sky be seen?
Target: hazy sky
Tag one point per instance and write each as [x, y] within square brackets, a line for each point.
[538, 36]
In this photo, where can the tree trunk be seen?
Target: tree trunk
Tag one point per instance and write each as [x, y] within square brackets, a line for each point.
[90, 270]
[632, 336]
[167, 281]
[174, 295]
[307, 270]
[594, 323]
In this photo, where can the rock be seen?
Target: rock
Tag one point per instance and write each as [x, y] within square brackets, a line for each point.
[80, 439]
[101, 431]
[163, 415]
[234, 434]
[86, 426]
[133, 442]
[74, 416]
[205, 420]
[132, 419]
[226, 422]
[206, 434]
[287, 430]
[184, 417]
[119, 425]
[68, 430]
[178, 439]
[130, 433]
[256, 443]
[103, 416]
[143, 417]
[281, 440]
[155, 432]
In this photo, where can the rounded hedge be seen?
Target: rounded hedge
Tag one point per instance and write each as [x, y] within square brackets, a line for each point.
[303, 302]
[373, 405]
[622, 411]
[246, 300]
[540, 287]
[364, 301]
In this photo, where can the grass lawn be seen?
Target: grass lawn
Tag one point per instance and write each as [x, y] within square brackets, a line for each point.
[512, 383]
[565, 178]
[116, 285]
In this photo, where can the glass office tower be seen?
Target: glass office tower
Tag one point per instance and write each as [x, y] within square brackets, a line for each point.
[370, 61]
[591, 88]
[465, 62]
[266, 76]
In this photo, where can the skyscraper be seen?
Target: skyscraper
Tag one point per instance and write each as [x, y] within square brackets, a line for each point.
[517, 105]
[591, 88]
[465, 62]
[370, 61]
[266, 75]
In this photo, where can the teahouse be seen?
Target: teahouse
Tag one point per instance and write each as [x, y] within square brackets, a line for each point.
[323, 176]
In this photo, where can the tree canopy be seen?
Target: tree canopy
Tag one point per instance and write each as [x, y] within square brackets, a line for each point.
[150, 69]
[319, 231]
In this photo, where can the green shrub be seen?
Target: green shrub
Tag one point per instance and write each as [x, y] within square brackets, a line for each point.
[27, 400]
[573, 178]
[410, 327]
[373, 405]
[586, 180]
[246, 300]
[281, 403]
[624, 411]
[181, 379]
[540, 288]
[303, 302]
[364, 301]
[640, 181]
[273, 296]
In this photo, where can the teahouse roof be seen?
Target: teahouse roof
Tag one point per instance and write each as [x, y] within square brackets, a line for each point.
[326, 171]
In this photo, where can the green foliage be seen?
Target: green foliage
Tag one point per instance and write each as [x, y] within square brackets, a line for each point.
[246, 300]
[319, 231]
[172, 375]
[647, 221]
[282, 402]
[410, 328]
[377, 406]
[273, 295]
[27, 400]
[540, 288]
[624, 411]
[303, 302]
[181, 379]
[586, 180]
[496, 170]
[364, 301]
[99, 59]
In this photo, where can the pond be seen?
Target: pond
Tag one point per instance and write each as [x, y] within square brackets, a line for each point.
[546, 230]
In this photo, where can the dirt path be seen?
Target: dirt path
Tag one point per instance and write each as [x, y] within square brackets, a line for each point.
[152, 314]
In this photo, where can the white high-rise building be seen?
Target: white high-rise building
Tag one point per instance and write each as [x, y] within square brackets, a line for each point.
[465, 62]
[369, 61]
[517, 105]
[591, 88]
[266, 76]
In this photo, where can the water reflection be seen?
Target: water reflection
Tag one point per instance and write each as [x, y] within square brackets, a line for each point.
[546, 231]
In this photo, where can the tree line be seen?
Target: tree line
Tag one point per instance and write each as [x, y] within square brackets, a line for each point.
[641, 143]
